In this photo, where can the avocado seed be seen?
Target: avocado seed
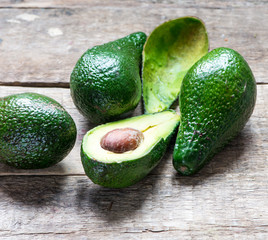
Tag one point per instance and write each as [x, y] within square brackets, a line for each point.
[121, 140]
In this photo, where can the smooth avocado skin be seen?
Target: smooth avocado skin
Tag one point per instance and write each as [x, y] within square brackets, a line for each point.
[217, 98]
[105, 82]
[122, 170]
[35, 131]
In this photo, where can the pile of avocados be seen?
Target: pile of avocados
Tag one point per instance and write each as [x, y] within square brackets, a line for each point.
[216, 92]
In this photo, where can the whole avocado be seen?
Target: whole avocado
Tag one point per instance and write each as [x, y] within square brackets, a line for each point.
[105, 82]
[35, 131]
[217, 98]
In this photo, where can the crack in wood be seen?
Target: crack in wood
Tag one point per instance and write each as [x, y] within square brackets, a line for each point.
[37, 233]
[36, 84]
[29, 7]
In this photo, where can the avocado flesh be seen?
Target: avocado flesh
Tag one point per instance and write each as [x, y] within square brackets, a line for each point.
[170, 50]
[217, 98]
[35, 131]
[105, 82]
[118, 170]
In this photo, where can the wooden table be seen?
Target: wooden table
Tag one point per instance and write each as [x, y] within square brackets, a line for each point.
[40, 41]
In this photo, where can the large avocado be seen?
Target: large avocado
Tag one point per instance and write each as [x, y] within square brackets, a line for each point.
[217, 98]
[35, 131]
[105, 82]
[121, 153]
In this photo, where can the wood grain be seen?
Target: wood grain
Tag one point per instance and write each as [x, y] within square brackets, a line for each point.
[211, 206]
[42, 40]
[112, 3]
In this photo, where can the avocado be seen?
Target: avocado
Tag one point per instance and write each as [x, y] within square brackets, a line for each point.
[105, 82]
[217, 98]
[35, 131]
[170, 50]
[121, 153]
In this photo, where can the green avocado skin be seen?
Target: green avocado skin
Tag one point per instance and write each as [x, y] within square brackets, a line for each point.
[35, 131]
[217, 98]
[105, 82]
[127, 173]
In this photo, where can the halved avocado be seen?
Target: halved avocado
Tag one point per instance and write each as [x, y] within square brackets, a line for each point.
[117, 170]
[169, 52]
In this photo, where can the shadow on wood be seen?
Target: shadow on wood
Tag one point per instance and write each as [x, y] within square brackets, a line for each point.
[114, 205]
[57, 169]
[35, 191]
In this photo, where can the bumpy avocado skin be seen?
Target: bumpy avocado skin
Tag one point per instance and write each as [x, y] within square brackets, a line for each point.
[35, 131]
[105, 82]
[127, 173]
[217, 98]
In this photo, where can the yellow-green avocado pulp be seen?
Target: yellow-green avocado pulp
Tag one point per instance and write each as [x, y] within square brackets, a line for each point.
[118, 170]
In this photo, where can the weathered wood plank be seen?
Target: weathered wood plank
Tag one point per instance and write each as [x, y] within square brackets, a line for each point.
[248, 152]
[39, 47]
[40, 42]
[137, 3]
[212, 206]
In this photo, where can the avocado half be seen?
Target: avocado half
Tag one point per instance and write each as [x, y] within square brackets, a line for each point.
[117, 170]
[170, 50]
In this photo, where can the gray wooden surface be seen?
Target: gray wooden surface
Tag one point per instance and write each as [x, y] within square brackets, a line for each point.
[40, 41]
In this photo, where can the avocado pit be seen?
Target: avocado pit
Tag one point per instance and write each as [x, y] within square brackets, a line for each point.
[121, 140]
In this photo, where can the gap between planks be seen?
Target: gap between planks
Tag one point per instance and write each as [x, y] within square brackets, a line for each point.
[36, 84]
[55, 85]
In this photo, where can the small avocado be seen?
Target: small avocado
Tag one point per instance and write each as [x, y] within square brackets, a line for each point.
[35, 131]
[217, 98]
[170, 50]
[105, 82]
[119, 154]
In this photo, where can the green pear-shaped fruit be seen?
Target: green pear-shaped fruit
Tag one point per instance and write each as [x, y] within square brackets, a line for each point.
[105, 82]
[121, 153]
[170, 50]
[217, 98]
